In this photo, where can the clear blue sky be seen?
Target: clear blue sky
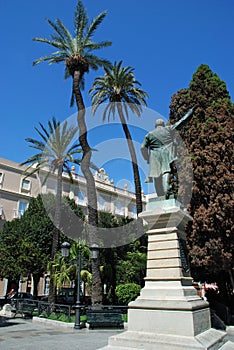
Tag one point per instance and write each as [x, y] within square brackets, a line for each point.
[165, 41]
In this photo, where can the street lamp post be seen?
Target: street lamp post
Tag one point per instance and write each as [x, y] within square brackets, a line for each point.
[65, 253]
[78, 325]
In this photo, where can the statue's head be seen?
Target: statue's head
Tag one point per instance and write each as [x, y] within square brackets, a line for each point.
[159, 122]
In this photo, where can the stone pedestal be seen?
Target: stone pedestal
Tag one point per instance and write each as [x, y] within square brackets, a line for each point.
[168, 314]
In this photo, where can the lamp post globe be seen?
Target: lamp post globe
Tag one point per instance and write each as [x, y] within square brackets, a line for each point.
[94, 250]
[65, 249]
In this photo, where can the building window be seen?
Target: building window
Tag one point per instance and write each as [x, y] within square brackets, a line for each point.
[119, 208]
[101, 202]
[22, 206]
[81, 197]
[47, 285]
[51, 185]
[25, 185]
[1, 178]
[132, 211]
[66, 188]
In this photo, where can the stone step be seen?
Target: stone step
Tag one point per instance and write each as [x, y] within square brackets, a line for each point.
[111, 347]
[228, 346]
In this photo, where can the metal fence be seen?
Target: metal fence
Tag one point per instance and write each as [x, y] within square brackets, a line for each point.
[45, 309]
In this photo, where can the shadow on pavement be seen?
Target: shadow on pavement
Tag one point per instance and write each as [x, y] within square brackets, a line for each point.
[4, 322]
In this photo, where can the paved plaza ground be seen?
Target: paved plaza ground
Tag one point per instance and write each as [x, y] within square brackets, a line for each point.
[25, 335]
[20, 334]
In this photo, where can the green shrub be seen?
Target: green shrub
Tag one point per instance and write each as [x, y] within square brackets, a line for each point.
[83, 318]
[63, 318]
[73, 319]
[53, 316]
[127, 292]
[125, 317]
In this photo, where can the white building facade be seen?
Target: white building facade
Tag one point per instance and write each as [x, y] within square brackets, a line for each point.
[16, 191]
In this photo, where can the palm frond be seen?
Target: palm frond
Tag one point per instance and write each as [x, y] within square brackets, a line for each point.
[94, 25]
[96, 62]
[57, 29]
[53, 43]
[66, 36]
[80, 46]
[57, 145]
[118, 85]
[36, 144]
[56, 57]
[44, 136]
[34, 159]
[81, 21]
[90, 46]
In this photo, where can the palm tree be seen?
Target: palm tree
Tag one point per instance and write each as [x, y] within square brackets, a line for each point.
[61, 270]
[56, 152]
[77, 54]
[120, 88]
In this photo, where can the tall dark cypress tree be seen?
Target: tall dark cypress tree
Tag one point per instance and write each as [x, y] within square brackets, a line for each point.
[209, 139]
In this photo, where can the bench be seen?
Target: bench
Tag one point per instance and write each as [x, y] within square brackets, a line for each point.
[104, 319]
[24, 309]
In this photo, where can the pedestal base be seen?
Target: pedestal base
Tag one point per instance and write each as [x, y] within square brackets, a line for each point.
[211, 339]
[168, 314]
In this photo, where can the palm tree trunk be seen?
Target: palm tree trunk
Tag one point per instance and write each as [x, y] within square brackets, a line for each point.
[57, 213]
[136, 174]
[55, 243]
[36, 279]
[96, 292]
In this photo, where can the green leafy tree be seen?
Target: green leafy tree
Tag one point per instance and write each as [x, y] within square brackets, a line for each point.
[77, 52]
[127, 292]
[38, 228]
[124, 263]
[132, 268]
[26, 243]
[121, 90]
[72, 216]
[209, 139]
[37, 224]
[113, 268]
[108, 257]
[14, 248]
[131, 265]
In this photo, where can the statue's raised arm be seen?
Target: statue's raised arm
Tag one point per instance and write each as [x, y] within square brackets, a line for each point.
[178, 125]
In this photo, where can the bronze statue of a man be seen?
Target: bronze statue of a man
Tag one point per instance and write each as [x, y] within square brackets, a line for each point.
[158, 149]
